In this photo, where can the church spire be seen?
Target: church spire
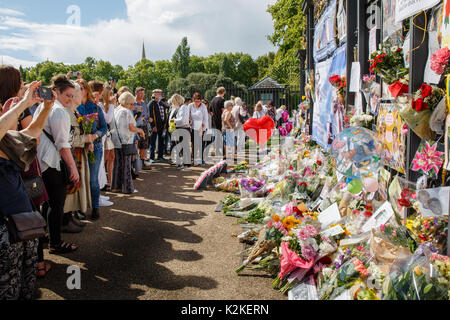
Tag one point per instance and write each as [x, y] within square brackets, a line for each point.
[143, 51]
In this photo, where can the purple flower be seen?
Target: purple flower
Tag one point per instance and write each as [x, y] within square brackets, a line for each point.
[308, 252]
[312, 231]
[289, 126]
[436, 222]
[283, 132]
[285, 116]
[303, 235]
[348, 252]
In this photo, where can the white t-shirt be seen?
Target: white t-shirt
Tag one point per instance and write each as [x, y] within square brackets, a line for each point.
[108, 115]
[120, 130]
[199, 117]
[58, 126]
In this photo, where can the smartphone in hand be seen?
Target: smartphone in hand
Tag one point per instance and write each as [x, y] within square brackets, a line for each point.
[45, 93]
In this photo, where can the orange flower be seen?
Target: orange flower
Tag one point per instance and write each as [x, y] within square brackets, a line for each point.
[276, 218]
[290, 222]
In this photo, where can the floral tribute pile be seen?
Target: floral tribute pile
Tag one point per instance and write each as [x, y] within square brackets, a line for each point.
[325, 236]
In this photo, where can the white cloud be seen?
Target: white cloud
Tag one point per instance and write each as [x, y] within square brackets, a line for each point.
[10, 12]
[211, 26]
[7, 60]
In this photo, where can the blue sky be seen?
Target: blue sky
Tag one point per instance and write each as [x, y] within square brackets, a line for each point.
[32, 31]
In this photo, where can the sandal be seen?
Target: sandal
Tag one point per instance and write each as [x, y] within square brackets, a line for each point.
[63, 248]
[43, 270]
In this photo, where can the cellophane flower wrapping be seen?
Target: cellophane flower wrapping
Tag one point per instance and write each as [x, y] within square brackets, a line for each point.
[419, 122]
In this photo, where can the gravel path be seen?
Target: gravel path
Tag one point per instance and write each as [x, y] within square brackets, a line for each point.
[165, 242]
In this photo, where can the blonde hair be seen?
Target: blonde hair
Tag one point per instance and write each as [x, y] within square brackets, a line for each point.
[105, 97]
[238, 102]
[123, 89]
[126, 98]
[177, 100]
[283, 107]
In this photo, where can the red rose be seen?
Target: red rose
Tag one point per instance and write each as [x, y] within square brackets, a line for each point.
[319, 162]
[368, 214]
[334, 79]
[420, 105]
[426, 90]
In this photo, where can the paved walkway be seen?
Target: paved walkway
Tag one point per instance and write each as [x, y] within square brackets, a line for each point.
[165, 242]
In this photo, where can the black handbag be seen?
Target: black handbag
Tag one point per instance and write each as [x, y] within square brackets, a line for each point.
[25, 226]
[34, 187]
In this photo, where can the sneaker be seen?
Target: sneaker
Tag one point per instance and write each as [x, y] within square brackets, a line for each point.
[135, 191]
[152, 161]
[77, 222]
[104, 197]
[163, 160]
[105, 203]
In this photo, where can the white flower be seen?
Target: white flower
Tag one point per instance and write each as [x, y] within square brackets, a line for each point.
[327, 272]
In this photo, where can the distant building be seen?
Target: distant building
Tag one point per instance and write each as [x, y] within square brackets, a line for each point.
[143, 51]
[268, 89]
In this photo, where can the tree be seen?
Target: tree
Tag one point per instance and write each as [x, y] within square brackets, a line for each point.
[289, 24]
[181, 59]
[196, 64]
[264, 62]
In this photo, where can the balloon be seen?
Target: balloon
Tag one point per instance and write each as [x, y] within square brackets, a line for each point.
[357, 152]
[355, 187]
[259, 130]
[370, 184]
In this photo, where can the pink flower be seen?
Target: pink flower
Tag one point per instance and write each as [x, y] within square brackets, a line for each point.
[285, 116]
[382, 228]
[439, 60]
[289, 211]
[269, 225]
[308, 252]
[360, 267]
[303, 234]
[394, 233]
[325, 239]
[289, 126]
[283, 132]
[311, 230]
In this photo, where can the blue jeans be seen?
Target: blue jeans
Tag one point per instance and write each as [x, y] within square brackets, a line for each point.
[94, 168]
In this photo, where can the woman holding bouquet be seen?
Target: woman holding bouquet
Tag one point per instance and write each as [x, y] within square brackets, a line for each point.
[99, 129]
[123, 129]
[79, 201]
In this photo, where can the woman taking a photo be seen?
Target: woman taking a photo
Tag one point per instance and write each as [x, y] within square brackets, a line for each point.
[18, 261]
[55, 146]
[123, 129]
[200, 124]
[99, 129]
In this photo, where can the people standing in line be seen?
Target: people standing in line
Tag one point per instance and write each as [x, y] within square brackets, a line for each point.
[258, 111]
[79, 201]
[123, 133]
[99, 129]
[54, 148]
[142, 120]
[159, 123]
[199, 126]
[228, 125]
[271, 111]
[217, 108]
[18, 261]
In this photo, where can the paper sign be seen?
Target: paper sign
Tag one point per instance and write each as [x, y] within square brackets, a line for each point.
[373, 40]
[336, 230]
[379, 218]
[355, 78]
[304, 291]
[408, 8]
[434, 202]
[330, 216]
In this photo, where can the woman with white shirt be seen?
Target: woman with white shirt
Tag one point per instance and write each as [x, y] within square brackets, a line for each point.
[107, 105]
[182, 124]
[258, 111]
[50, 155]
[239, 113]
[123, 131]
[199, 125]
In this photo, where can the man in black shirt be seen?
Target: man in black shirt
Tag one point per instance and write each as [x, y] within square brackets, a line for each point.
[217, 106]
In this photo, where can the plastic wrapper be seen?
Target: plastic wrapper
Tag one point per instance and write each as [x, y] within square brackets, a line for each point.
[230, 185]
[419, 122]
[414, 279]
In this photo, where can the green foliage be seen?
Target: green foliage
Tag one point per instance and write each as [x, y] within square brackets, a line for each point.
[181, 59]
[289, 26]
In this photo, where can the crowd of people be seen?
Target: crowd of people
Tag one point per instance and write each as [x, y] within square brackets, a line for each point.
[88, 137]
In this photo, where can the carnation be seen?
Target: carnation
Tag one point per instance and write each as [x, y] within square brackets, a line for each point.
[439, 60]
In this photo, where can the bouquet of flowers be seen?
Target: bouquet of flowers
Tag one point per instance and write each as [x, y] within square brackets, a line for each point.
[427, 97]
[86, 122]
[388, 63]
[442, 264]
[433, 229]
[362, 120]
[418, 121]
[340, 83]
[439, 61]
[241, 167]
[251, 187]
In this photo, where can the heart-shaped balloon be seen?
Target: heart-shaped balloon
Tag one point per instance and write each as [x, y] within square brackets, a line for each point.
[259, 130]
